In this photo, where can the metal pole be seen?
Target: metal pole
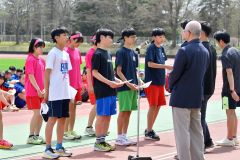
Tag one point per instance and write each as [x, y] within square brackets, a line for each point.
[138, 119]
[238, 31]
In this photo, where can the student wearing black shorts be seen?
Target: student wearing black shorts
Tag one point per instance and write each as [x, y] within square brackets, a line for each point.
[231, 86]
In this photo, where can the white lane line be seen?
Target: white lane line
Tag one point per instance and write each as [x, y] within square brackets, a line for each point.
[79, 147]
[171, 154]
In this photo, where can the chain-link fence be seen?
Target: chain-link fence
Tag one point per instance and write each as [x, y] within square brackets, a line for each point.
[27, 38]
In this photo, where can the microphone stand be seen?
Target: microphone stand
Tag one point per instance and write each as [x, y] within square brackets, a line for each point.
[138, 117]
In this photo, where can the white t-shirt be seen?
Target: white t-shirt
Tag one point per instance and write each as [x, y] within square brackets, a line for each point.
[59, 62]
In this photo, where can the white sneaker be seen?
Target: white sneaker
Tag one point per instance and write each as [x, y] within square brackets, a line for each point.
[225, 142]
[50, 154]
[63, 153]
[68, 136]
[236, 141]
[75, 135]
[90, 131]
[167, 93]
[131, 142]
[122, 142]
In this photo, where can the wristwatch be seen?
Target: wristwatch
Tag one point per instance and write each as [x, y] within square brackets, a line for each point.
[231, 91]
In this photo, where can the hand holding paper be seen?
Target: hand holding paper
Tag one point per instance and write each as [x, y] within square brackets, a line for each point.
[145, 85]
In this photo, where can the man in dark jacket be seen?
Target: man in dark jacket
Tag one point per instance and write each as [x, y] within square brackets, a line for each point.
[186, 85]
[209, 80]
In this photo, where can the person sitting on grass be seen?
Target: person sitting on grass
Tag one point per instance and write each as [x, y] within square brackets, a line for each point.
[3, 143]
[13, 70]
[20, 95]
[8, 93]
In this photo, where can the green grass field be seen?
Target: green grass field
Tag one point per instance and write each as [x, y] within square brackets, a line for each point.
[5, 63]
[19, 63]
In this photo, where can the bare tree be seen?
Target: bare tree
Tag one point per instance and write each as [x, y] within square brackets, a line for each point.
[174, 8]
[17, 10]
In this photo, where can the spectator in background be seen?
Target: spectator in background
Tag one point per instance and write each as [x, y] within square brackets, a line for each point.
[20, 95]
[7, 77]
[183, 25]
[8, 91]
[18, 73]
[14, 76]
[84, 95]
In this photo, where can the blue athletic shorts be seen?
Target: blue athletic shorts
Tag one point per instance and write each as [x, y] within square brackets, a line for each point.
[106, 106]
[20, 103]
[59, 108]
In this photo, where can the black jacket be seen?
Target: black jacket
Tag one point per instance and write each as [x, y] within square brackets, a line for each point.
[210, 75]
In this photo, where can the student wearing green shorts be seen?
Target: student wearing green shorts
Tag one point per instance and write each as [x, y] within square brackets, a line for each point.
[126, 67]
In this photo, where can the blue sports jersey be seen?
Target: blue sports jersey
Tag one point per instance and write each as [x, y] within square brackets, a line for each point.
[155, 55]
[128, 60]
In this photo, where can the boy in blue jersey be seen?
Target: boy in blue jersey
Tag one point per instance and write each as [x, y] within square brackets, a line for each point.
[155, 71]
[126, 66]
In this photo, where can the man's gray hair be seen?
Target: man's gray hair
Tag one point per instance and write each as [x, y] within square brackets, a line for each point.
[194, 27]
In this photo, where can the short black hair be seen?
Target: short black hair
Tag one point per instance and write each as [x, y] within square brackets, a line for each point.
[103, 32]
[19, 70]
[158, 32]
[206, 28]
[78, 39]
[35, 42]
[127, 32]
[7, 72]
[222, 35]
[57, 32]
[12, 68]
[184, 23]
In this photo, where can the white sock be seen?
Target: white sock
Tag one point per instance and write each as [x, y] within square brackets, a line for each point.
[119, 136]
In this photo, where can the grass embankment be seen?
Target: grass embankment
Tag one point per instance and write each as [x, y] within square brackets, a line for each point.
[19, 63]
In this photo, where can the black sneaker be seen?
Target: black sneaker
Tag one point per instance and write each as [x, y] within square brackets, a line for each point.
[145, 132]
[176, 157]
[151, 136]
[209, 144]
